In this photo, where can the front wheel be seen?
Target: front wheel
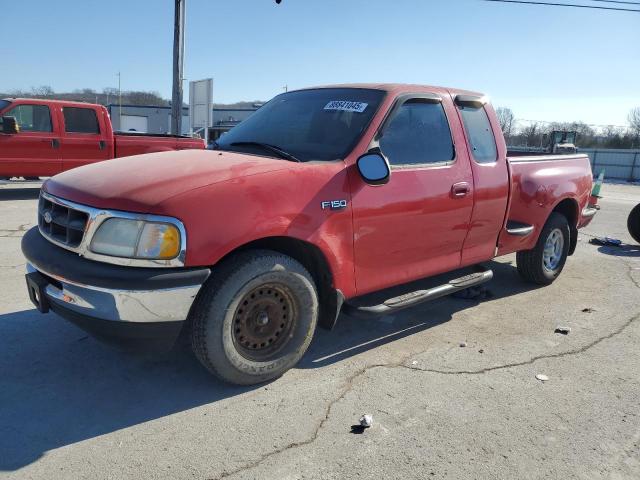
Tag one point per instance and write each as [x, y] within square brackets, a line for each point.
[633, 223]
[544, 263]
[255, 317]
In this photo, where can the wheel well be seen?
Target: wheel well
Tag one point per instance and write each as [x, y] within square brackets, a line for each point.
[312, 258]
[569, 208]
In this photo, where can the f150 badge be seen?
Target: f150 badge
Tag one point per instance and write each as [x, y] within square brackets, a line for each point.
[333, 204]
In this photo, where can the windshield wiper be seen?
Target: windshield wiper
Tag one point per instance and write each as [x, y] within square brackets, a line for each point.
[272, 148]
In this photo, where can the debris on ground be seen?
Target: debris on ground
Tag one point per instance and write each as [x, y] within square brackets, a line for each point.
[542, 377]
[366, 420]
[481, 350]
[588, 310]
[606, 241]
[479, 292]
[563, 330]
[415, 362]
[463, 344]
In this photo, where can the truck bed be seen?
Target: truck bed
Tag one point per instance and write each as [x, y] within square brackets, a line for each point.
[128, 143]
[538, 182]
[139, 134]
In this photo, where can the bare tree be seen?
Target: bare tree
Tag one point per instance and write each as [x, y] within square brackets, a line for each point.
[144, 98]
[42, 91]
[634, 120]
[507, 120]
[531, 134]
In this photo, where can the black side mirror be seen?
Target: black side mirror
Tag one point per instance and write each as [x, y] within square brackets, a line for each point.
[374, 168]
[10, 125]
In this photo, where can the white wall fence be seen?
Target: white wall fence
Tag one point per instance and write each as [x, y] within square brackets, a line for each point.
[617, 164]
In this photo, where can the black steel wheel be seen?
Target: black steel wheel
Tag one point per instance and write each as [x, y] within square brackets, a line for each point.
[255, 317]
[264, 320]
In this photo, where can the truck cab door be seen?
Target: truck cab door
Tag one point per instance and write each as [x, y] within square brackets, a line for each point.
[415, 225]
[35, 150]
[84, 139]
[488, 158]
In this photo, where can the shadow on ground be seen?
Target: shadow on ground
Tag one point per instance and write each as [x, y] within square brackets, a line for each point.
[26, 193]
[58, 386]
[624, 250]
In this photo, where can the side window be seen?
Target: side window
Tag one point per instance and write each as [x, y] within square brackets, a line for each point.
[31, 118]
[418, 133]
[80, 120]
[481, 139]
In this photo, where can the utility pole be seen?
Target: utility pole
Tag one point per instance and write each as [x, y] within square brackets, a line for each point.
[178, 65]
[119, 103]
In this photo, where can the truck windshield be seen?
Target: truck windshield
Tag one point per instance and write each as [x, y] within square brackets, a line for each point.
[320, 124]
[4, 104]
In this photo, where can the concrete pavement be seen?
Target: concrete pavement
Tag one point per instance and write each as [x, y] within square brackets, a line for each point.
[71, 407]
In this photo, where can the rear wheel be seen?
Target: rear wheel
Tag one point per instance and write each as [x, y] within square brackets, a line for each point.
[633, 223]
[255, 317]
[544, 263]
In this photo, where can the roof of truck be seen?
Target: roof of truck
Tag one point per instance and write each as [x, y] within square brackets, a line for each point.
[48, 100]
[399, 88]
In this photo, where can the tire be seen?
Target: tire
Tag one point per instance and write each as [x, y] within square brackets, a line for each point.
[228, 335]
[537, 268]
[633, 223]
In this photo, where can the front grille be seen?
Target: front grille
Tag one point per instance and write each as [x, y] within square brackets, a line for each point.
[62, 224]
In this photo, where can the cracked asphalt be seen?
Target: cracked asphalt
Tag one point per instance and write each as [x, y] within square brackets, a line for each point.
[71, 407]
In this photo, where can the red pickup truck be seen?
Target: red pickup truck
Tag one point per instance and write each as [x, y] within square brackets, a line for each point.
[322, 196]
[40, 138]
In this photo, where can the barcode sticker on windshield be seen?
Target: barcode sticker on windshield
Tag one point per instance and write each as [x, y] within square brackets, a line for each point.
[346, 106]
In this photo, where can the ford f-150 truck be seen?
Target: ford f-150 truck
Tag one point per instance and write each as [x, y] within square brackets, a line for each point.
[323, 196]
[40, 138]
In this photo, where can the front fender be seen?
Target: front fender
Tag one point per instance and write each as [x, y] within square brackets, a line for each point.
[222, 218]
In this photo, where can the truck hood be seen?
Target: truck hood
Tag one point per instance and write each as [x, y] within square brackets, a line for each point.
[140, 183]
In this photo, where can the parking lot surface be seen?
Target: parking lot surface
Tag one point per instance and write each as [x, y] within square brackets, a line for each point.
[72, 407]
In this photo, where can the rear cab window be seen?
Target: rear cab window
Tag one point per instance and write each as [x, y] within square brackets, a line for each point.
[80, 120]
[418, 133]
[482, 142]
[31, 118]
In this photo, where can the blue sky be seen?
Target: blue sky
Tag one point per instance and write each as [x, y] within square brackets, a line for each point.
[545, 63]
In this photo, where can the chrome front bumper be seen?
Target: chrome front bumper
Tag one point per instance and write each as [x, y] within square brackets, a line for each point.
[110, 301]
[119, 305]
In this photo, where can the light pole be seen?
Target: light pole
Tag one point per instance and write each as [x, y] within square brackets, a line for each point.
[178, 66]
[119, 103]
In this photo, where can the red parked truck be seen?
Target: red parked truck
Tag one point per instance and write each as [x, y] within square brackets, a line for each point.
[41, 138]
[323, 196]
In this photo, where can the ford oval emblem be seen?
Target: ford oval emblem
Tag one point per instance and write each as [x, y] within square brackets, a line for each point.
[47, 217]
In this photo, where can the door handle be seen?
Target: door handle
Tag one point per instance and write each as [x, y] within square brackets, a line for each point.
[102, 144]
[460, 189]
[55, 143]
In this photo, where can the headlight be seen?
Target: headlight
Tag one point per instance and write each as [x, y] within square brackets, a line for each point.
[120, 237]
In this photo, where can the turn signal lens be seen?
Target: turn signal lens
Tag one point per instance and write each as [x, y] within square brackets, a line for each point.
[158, 240]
